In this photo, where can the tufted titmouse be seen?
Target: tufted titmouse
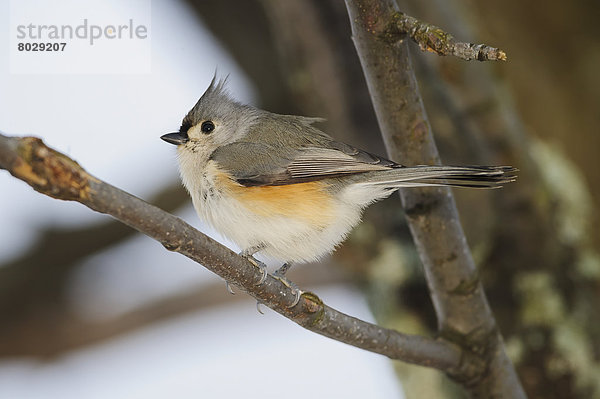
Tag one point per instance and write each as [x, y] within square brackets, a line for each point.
[277, 185]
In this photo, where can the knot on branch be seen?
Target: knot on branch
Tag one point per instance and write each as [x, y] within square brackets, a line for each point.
[310, 312]
[478, 349]
[467, 286]
[427, 203]
[49, 171]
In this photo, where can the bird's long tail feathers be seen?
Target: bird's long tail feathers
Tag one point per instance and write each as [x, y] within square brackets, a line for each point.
[455, 176]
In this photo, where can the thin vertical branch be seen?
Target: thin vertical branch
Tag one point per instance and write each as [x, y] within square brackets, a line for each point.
[463, 313]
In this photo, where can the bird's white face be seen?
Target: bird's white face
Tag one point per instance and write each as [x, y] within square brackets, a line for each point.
[215, 121]
[203, 137]
[200, 141]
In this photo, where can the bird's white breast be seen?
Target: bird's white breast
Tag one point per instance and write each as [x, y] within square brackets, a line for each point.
[287, 232]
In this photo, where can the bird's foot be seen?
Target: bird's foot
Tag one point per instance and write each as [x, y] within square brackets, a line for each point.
[247, 254]
[280, 275]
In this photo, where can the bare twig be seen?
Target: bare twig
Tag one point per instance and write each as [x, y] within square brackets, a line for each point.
[58, 176]
[463, 313]
[432, 38]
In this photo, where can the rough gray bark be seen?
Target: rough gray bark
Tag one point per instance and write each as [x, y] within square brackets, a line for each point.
[462, 310]
[539, 282]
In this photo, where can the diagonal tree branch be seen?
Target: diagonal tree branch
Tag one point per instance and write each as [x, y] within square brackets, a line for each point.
[464, 315]
[58, 176]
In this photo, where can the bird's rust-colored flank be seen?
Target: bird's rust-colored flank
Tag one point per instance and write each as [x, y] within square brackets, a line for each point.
[308, 202]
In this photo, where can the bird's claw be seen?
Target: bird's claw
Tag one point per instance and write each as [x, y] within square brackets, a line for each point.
[280, 275]
[229, 289]
[298, 293]
[260, 265]
[265, 273]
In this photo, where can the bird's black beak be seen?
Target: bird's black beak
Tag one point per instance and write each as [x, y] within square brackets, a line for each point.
[175, 138]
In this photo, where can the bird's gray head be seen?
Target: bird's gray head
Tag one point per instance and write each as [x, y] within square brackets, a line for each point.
[214, 121]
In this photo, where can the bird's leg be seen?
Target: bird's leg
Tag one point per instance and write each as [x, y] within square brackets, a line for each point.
[280, 275]
[283, 269]
[248, 254]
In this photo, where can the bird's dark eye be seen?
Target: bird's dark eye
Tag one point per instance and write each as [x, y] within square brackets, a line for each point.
[207, 127]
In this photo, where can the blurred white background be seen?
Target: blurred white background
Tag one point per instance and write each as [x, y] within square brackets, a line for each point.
[111, 124]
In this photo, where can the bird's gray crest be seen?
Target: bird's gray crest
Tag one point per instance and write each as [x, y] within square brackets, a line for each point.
[215, 104]
[217, 87]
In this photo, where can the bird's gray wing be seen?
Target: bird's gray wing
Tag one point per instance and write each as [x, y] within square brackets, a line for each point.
[257, 164]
